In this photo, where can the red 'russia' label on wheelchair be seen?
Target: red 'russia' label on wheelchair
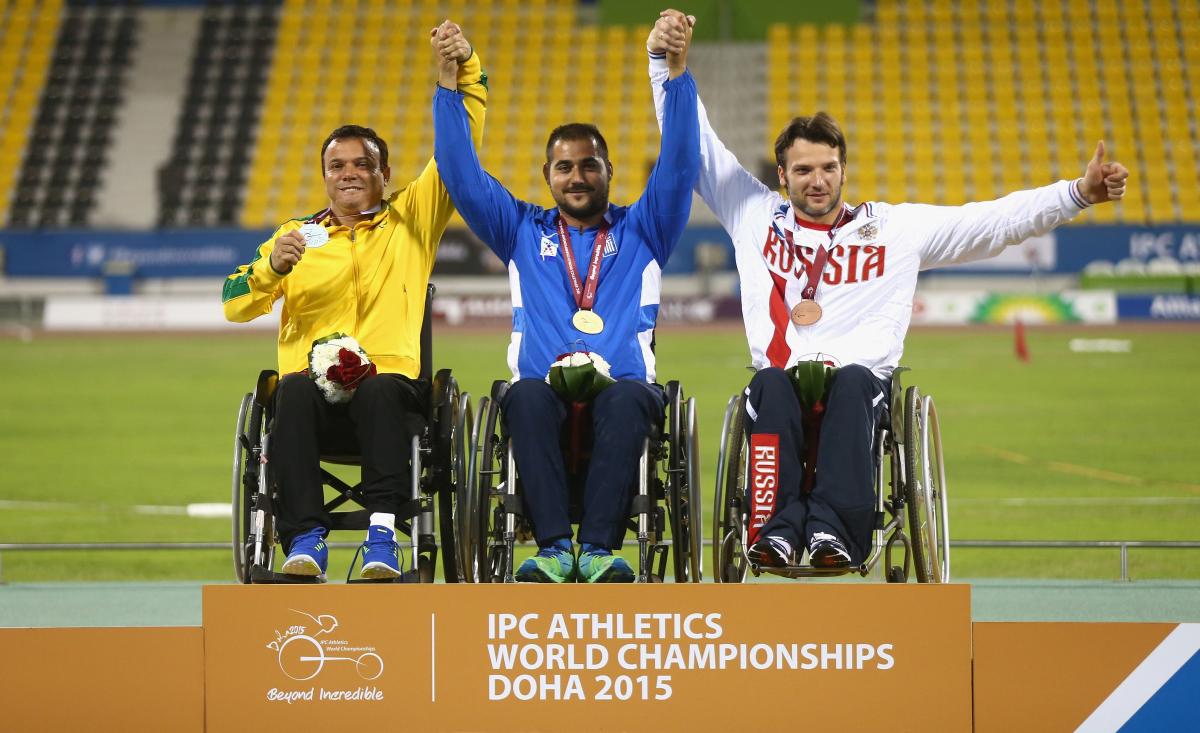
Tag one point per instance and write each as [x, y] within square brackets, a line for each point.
[764, 480]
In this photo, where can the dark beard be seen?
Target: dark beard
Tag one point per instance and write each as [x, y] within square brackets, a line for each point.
[594, 206]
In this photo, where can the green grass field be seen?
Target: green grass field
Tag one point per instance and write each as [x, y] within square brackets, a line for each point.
[1090, 446]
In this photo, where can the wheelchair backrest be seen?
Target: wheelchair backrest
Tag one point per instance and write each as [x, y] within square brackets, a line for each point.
[896, 401]
[427, 334]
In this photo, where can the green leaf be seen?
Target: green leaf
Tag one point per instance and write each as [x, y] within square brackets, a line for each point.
[812, 380]
[577, 383]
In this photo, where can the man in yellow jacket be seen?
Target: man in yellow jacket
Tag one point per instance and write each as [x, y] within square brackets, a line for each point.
[359, 267]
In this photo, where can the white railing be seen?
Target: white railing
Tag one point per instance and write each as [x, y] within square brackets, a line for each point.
[1123, 545]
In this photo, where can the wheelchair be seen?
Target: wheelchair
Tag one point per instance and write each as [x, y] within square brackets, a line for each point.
[490, 534]
[440, 456]
[912, 514]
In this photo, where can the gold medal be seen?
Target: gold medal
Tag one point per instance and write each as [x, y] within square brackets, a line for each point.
[588, 322]
[806, 313]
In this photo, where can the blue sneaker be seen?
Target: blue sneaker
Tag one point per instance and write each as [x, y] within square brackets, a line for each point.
[381, 554]
[552, 564]
[599, 565]
[309, 554]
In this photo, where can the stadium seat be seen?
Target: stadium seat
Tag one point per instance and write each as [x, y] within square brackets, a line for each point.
[990, 71]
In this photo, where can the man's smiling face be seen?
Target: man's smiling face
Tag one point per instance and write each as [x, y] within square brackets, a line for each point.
[354, 179]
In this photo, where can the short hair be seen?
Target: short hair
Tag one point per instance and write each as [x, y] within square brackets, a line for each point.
[363, 133]
[577, 131]
[820, 128]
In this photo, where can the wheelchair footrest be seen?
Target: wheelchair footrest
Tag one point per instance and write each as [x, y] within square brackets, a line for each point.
[261, 575]
[808, 571]
[410, 576]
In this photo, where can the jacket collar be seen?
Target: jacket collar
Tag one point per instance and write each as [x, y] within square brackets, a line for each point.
[850, 219]
[377, 212]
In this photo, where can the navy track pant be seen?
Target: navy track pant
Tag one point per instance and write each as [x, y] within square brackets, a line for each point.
[842, 501]
[622, 416]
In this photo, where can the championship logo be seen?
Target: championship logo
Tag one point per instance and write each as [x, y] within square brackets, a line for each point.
[302, 655]
[309, 649]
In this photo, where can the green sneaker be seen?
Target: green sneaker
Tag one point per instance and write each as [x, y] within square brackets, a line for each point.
[601, 566]
[551, 564]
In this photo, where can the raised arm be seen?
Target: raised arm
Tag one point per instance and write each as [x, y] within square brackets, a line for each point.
[955, 234]
[425, 204]
[487, 207]
[728, 188]
[664, 208]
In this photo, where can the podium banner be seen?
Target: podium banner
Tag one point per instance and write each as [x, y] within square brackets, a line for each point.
[101, 679]
[1086, 677]
[529, 657]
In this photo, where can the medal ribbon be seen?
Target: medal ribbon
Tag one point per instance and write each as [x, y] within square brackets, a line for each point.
[816, 268]
[584, 292]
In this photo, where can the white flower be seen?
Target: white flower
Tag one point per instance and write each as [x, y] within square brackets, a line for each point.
[326, 353]
[579, 376]
[583, 358]
[602, 366]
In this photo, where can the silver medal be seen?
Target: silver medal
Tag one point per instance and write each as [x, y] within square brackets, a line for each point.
[314, 235]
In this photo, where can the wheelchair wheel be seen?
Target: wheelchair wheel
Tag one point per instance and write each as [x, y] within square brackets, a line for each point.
[252, 544]
[925, 489]
[682, 482]
[446, 417]
[489, 486]
[460, 479]
[241, 497]
[729, 503]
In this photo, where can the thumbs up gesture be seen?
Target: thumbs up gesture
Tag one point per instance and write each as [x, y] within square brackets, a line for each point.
[1102, 181]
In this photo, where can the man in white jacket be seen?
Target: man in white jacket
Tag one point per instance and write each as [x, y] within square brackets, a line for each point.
[823, 281]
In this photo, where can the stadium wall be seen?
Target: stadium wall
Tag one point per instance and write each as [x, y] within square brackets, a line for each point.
[217, 252]
[738, 20]
[175, 274]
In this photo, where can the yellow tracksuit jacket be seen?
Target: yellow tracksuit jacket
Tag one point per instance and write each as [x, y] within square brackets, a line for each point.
[367, 281]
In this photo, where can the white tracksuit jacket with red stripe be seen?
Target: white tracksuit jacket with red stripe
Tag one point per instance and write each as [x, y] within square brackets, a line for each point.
[866, 291]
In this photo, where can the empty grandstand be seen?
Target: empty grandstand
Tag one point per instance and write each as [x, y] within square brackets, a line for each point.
[943, 101]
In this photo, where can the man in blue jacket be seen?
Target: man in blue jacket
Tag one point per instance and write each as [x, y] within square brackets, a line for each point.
[585, 276]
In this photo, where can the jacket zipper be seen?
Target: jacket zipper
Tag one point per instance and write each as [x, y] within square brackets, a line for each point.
[357, 285]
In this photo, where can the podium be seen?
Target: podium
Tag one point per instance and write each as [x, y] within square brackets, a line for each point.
[595, 658]
[601, 658]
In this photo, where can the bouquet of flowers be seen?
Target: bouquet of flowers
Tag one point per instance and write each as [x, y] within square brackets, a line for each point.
[338, 364]
[579, 376]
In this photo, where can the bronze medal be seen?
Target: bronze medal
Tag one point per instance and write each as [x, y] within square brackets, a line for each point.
[588, 322]
[806, 313]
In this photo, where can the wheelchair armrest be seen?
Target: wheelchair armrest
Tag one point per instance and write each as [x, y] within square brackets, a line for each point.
[264, 389]
[441, 384]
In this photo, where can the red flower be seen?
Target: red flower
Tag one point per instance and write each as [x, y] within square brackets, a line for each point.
[350, 369]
